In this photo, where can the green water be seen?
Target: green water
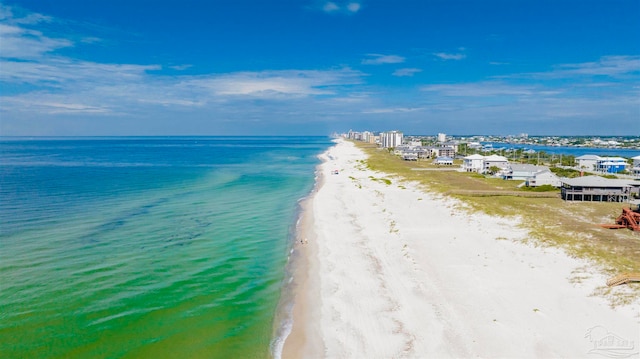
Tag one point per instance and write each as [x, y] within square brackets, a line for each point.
[191, 268]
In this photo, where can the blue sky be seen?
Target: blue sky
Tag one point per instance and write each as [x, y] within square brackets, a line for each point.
[311, 67]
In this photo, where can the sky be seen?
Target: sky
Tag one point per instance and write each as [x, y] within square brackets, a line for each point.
[314, 67]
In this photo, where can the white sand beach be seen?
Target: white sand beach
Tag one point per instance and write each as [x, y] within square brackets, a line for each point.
[394, 272]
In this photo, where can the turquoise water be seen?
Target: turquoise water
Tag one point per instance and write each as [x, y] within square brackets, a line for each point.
[147, 247]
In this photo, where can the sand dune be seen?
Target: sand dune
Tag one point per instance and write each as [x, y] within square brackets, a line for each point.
[396, 272]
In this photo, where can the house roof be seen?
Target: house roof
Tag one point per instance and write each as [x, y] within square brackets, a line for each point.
[636, 158]
[613, 163]
[613, 159]
[474, 157]
[588, 157]
[595, 181]
[517, 167]
[496, 158]
[547, 171]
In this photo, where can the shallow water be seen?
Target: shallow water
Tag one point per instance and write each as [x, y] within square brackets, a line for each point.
[147, 247]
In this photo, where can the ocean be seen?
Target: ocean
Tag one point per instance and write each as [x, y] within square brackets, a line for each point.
[147, 247]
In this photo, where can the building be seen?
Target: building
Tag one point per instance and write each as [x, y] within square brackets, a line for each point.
[442, 137]
[523, 172]
[587, 162]
[636, 165]
[494, 161]
[596, 188]
[443, 151]
[473, 163]
[390, 139]
[544, 177]
[611, 164]
[444, 161]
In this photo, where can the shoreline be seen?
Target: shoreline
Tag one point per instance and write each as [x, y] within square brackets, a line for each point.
[302, 339]
[394, 271]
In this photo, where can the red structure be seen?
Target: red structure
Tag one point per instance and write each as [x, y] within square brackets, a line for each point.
[628, 219]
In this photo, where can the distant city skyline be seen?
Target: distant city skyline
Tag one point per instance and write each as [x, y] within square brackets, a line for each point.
[311, 67]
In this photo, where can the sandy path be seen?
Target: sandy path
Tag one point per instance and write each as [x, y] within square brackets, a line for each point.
[401, 273]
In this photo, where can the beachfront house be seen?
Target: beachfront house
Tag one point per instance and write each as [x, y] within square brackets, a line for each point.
[544, 177]
[596, 188]
[494, 161]
[473, 163]
[636, 165]
[523, 172]
[611, 164]
[443, 161]
[587, 162]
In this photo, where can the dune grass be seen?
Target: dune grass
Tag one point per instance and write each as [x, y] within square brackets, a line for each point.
[571, 226]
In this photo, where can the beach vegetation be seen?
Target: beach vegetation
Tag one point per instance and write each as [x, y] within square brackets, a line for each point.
[543, 188]
[566, 172]
[610, 176]
[549, 221]
[494, 169]
[383, 180]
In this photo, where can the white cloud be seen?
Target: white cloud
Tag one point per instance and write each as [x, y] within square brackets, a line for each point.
[605, 66]
[340, 7]
[330, 7]
[7, 15]
[406, 72]
[450, 56]
[21, 43]
[378, 59]
[480, 89]
[392, 110]
[354, 7]
[181, 67]
[277, 83]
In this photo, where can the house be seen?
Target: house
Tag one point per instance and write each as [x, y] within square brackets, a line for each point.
[473, 163]
[587, 162]
[494, 161]
[544, 177]
[636, 165]
[596, 188]
[523, 172]
[442, 160]
[611, 164]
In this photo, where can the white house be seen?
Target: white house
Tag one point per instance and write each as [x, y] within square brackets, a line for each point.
[473, 163]
[495, 161]
[587, 162]
[636, 165]
[443, 160]
[523, 172]
[544, 177]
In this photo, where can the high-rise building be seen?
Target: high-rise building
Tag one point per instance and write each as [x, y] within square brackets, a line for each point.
[390, 139]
